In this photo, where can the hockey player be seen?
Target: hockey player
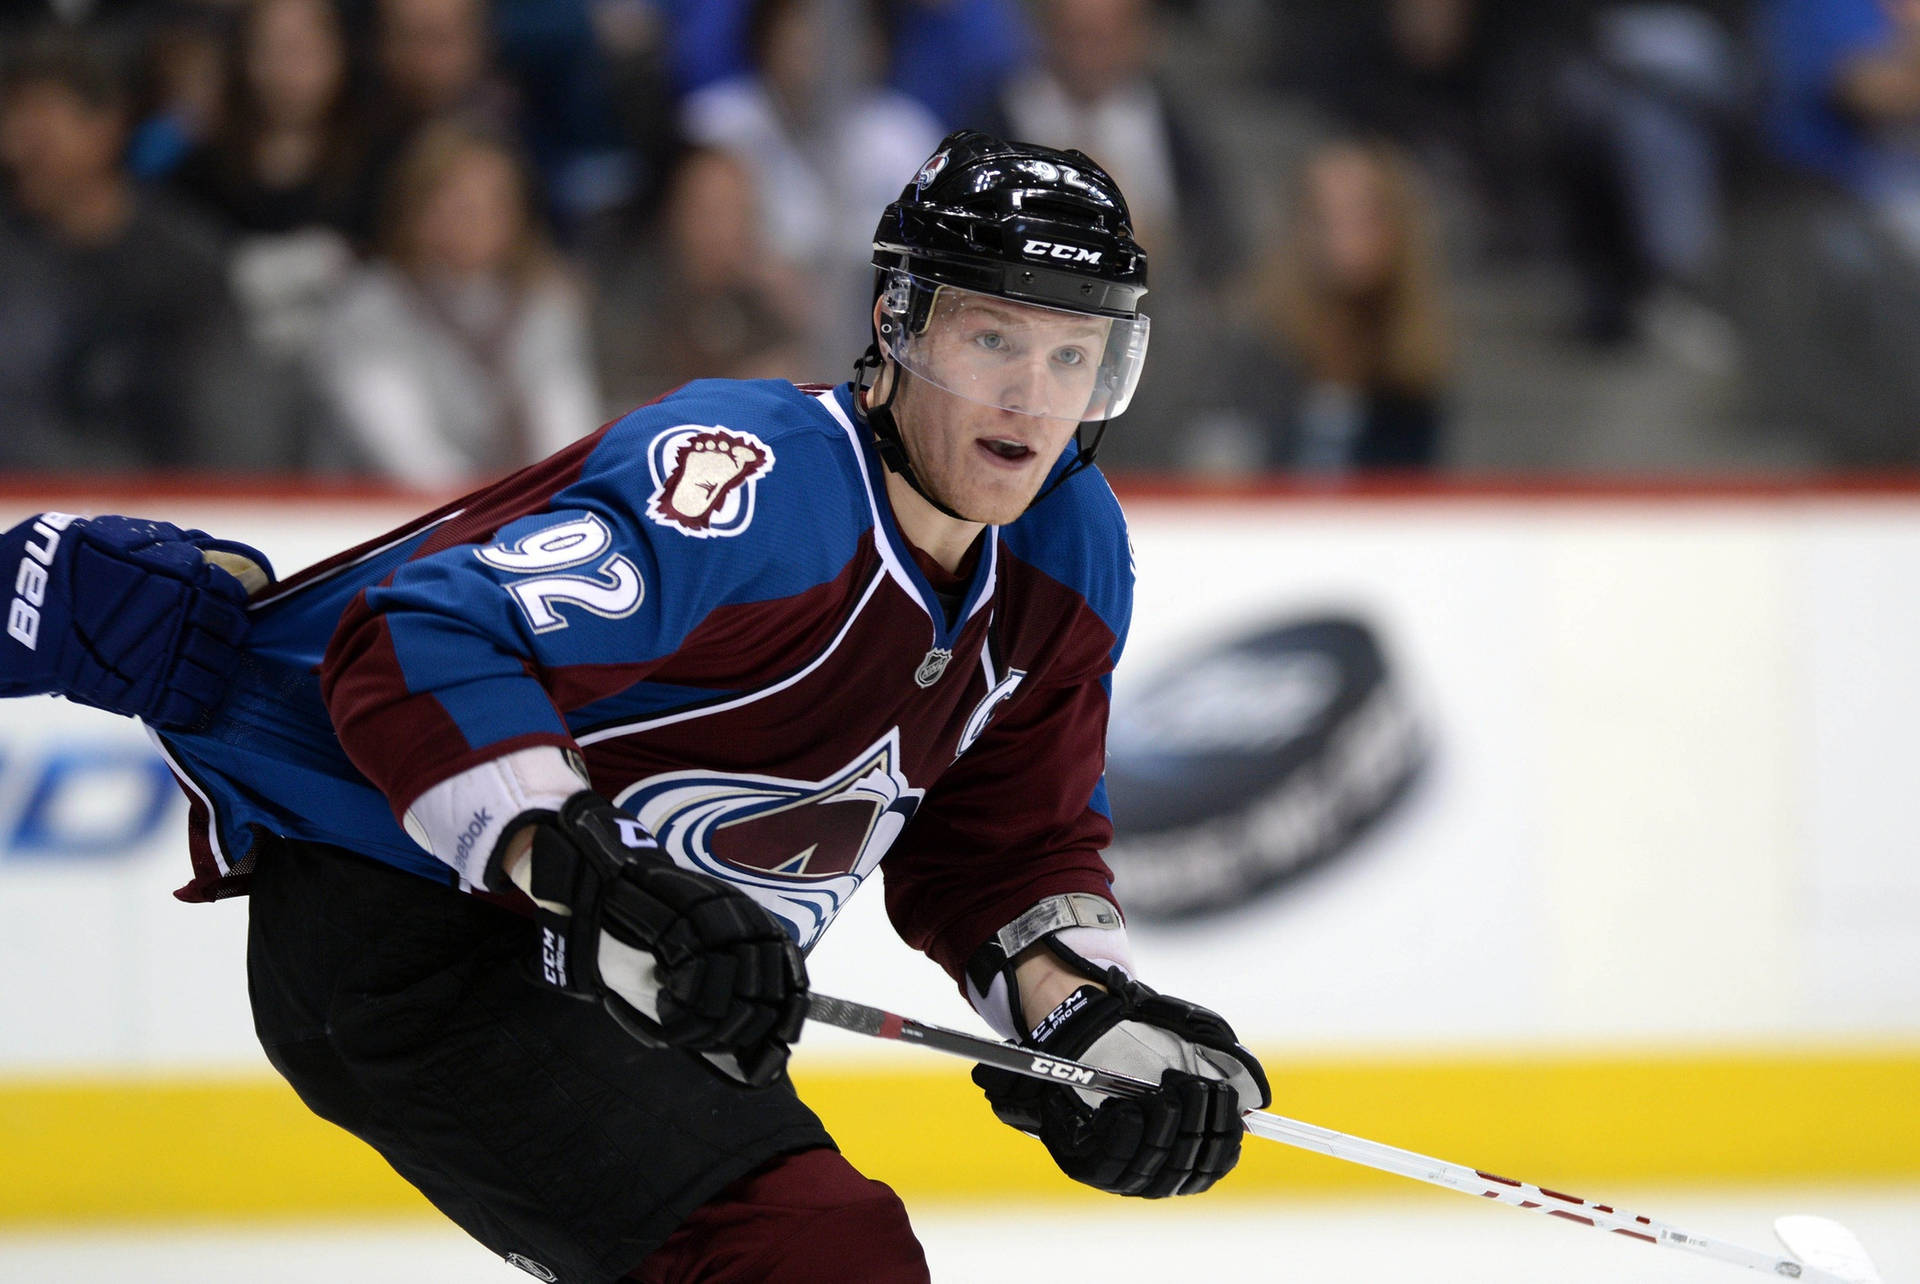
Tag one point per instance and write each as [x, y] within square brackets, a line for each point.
[631, 726]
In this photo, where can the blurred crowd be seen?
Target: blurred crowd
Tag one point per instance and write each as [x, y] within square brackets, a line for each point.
[429, 240]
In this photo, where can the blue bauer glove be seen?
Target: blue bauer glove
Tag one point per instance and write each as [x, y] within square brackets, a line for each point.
[123, 614]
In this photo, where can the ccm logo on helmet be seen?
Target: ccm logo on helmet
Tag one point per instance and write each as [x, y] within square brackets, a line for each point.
[1054, 250]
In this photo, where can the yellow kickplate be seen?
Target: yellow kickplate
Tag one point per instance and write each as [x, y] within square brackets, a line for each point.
[104, 1149]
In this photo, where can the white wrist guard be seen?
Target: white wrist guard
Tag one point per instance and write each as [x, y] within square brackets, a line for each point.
[463, 819]
[1083, 931]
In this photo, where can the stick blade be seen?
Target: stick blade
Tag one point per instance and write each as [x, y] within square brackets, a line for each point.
[1827, 1246]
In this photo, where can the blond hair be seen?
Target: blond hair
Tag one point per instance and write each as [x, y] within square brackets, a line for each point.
[1393, 336]
[425, 165]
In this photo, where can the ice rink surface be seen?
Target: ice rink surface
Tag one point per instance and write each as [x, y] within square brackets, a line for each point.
[1428, 1239]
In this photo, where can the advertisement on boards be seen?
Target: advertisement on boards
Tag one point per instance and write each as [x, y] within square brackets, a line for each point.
[1418, 775]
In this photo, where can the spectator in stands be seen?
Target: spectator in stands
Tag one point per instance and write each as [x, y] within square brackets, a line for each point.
[695, 297]
[592, 78]
[286, 156]
[436, 59]
[824, 143]
[180, 98]
[950, 55]
[1463, 85]
[281, 176]
[954, 56]
[1352, 303]
[461, 351]
[1844, 99]
[434, 62]
[1417, 71]
[1097, 86]
[1645, 99]
[1829, 298]
[119, 347]
[634, 42]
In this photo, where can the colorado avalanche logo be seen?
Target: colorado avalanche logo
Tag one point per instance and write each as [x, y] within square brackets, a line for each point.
[798, 847]
[704, 478]
[930, 170]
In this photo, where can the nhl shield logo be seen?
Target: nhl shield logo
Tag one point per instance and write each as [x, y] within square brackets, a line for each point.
[932, 665]
[704, 479]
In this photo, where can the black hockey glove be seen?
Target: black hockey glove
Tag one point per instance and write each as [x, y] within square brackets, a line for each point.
[1178, 1141]
[679, 959]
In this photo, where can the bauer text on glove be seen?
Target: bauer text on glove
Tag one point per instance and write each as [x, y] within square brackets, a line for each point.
[123, 614]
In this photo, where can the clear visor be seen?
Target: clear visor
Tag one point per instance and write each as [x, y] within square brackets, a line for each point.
[1023, 357]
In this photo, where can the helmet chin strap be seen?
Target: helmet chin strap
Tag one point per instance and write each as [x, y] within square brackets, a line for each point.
[893, 450]
[886, 429]
[1083, 452]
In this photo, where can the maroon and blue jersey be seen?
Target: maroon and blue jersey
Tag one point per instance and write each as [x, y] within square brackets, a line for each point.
[709, 603]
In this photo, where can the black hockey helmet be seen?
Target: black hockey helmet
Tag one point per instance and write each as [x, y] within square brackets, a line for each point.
[1035, 225]
[1018, 221]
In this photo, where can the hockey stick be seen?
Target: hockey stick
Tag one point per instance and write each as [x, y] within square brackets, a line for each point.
[1827, 1252]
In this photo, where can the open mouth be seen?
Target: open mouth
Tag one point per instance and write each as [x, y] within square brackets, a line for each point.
[1004, 448]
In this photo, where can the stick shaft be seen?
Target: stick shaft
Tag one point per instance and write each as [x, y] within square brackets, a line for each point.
[881, 1024]
[862, 1019]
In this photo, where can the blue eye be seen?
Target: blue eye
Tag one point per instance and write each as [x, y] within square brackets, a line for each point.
[991, 340]
[1070, 356]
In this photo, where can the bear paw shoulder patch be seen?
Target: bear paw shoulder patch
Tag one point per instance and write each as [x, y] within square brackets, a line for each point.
[704, 479]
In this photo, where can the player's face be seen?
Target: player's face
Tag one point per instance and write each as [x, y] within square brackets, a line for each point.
[987, 461]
